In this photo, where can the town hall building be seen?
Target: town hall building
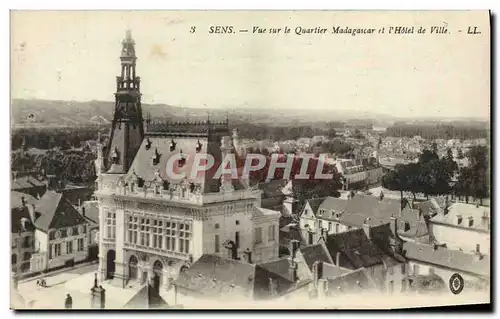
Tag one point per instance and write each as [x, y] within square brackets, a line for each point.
[152, 226]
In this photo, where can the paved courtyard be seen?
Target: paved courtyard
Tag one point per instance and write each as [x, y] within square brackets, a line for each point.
[77, 282]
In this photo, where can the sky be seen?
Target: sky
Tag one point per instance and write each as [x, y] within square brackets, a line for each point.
[75, 56]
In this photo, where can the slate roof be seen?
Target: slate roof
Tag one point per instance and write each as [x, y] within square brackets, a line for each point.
[358, 251]
[354, 211]
[91, 211]
[16, 199]
[333, 271]
[314, 204]
[146, 298]
[144, 167]
[466, 211]
[314, 253]
[448, 258]
[351, 282]
[215, 276]
[26, 182]
[264, 212]
[56, 212]
[417, 226]
[278, 266]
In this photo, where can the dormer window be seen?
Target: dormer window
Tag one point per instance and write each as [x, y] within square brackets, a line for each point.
[182, 160]
[459, 220]
[156, 157]
[198, 146]
[115, 156]
[471, 221]
[172, 145]
[148, 144]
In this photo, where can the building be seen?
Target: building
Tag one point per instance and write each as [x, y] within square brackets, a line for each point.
[61, 233]
[359, 173]
[90, 211]
[22, 231]
[28, 184]
[217, 278]
[153, 226]
[336, 215]
[440, 263]
[377, 249]
[463, 227]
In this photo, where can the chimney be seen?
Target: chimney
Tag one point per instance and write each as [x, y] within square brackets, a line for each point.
[294, 245]
[393, 225]
[292, 270]
[247, 255]
[337, 259]
[272, 287]
[317, 269]
[366, 227]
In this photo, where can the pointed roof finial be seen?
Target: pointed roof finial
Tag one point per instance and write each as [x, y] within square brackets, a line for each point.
[128, 34]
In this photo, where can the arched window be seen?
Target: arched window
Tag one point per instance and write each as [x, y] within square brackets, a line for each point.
[132, 266]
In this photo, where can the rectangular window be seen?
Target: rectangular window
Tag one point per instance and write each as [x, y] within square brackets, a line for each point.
[184, 238]
[391, 270]
[258, 235]
[69, 247]
[80, 244]
[237, 239]
[403, 269]
[329, 226]
[110, 225]
[217, 244]
[337, 230]
[391, 286]
[57, 250]
[415, 270]
[270, 233]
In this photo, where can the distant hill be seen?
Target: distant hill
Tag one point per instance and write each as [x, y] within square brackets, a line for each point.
[70, 113]
[48, 113]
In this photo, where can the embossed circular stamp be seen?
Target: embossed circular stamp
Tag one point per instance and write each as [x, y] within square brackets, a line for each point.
[456, 284]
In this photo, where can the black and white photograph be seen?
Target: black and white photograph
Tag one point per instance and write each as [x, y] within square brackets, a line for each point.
[250, 159]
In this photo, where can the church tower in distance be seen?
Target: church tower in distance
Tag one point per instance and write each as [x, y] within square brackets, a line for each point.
[127, 129]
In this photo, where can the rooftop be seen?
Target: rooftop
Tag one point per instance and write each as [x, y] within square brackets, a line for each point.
[445, 257]
[466, 216]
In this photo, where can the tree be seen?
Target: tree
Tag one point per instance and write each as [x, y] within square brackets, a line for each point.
[396, 180]
[478, 175]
